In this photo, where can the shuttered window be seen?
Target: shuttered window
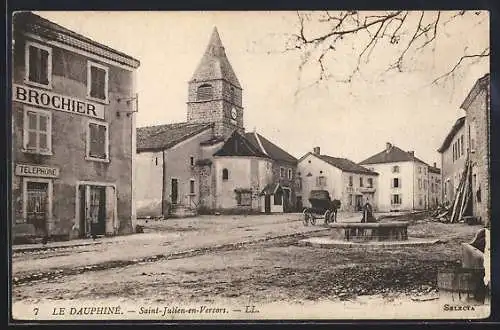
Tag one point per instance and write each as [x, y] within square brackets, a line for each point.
[38, 64]
[37, 131]
[97, 141]
[97, 81]
[204, 92]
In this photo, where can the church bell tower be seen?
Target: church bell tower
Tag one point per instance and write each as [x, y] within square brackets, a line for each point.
[215, 94]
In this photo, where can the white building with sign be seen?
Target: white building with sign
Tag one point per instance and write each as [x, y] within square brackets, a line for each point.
[73, 120]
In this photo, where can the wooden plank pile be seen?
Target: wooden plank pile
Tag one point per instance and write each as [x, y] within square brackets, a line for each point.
[461, 205]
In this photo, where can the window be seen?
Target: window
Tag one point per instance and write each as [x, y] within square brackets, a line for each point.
[282, 172]
[38, 64]
[290, 173]
[97, 141]
[361, 182]
[350, 181]
[472, 134]
[395, 169]
[204, 92]
[225, 174]
[97, 82]
[350, 199]
[191, 161]
[370, 182]
[419, 169]
[419, 184]
[396, 183]
[37, 202]
[232, 96]
[191, 187]
[320, 181]
[396, 199]
[299, 183]
[37, 131]
[462, 145]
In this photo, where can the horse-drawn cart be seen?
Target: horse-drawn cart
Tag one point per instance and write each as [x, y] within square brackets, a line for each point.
[322, 207]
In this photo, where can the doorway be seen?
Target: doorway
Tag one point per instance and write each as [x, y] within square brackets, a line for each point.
[174, 195]
[37, 206]
[359, 202]
[267, 204]
[299, 205]
[92, 210]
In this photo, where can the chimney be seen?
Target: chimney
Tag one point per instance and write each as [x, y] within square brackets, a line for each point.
[316, 150]
[412, 153]
[435, 165]
[388, 146]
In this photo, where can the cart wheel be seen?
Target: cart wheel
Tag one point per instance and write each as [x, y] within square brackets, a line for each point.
[313, 220]
[327, 217]
[306, 218]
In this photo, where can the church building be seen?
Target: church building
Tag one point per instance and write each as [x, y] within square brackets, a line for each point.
[209, 163]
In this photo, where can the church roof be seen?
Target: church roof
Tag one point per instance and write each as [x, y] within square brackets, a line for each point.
[392, 154]
[269, 148]
[214, 64]
[161, 137]
[238, 145]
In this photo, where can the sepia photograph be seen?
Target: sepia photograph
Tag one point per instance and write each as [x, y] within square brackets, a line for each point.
[250, 165]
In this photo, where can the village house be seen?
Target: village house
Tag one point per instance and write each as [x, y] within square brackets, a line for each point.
[469, 139]
[402, 180]
[434, 186]
[208, 163]
[345, 180]
[73, 122]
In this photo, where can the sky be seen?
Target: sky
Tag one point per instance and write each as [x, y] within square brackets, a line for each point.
[352, 120]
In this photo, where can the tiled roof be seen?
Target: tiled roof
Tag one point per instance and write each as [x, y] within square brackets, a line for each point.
[346, 165]
[393, 155]
[447, 141]
[271, 149]
[214, 64]
[162, 137]
[238, 145]
[29, 22]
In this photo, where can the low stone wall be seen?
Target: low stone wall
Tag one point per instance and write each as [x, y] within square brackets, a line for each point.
[389, 231]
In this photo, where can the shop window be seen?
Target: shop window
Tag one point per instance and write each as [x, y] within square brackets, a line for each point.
[225, 174]
[97, 141]
[204, 92]
[396, 199]
[37, 131]
[97, 82]
[38, 63]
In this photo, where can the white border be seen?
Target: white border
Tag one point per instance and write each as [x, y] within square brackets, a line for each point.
[87, 141]
[25, 131]
[27, 65]
[91, 64]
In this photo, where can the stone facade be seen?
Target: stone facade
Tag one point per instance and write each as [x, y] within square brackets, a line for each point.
[477, 109]
[65, 197]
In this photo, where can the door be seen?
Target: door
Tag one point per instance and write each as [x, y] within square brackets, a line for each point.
[175, 191]
[286, 200]
[37, 206]
[83, 230]
[267, 204]
[97, 210]
[299, 205]
[359, 202]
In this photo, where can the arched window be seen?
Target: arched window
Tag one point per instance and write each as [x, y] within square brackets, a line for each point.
[204, 92]
[225, 174]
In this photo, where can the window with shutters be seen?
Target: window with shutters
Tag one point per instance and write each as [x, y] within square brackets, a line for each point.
[97, 141]
[396, 199]
[97, 82]
[38, 63]
[204, 92]
[37, 131]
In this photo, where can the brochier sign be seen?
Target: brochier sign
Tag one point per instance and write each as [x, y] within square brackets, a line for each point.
[54, 101]
[35, 170]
